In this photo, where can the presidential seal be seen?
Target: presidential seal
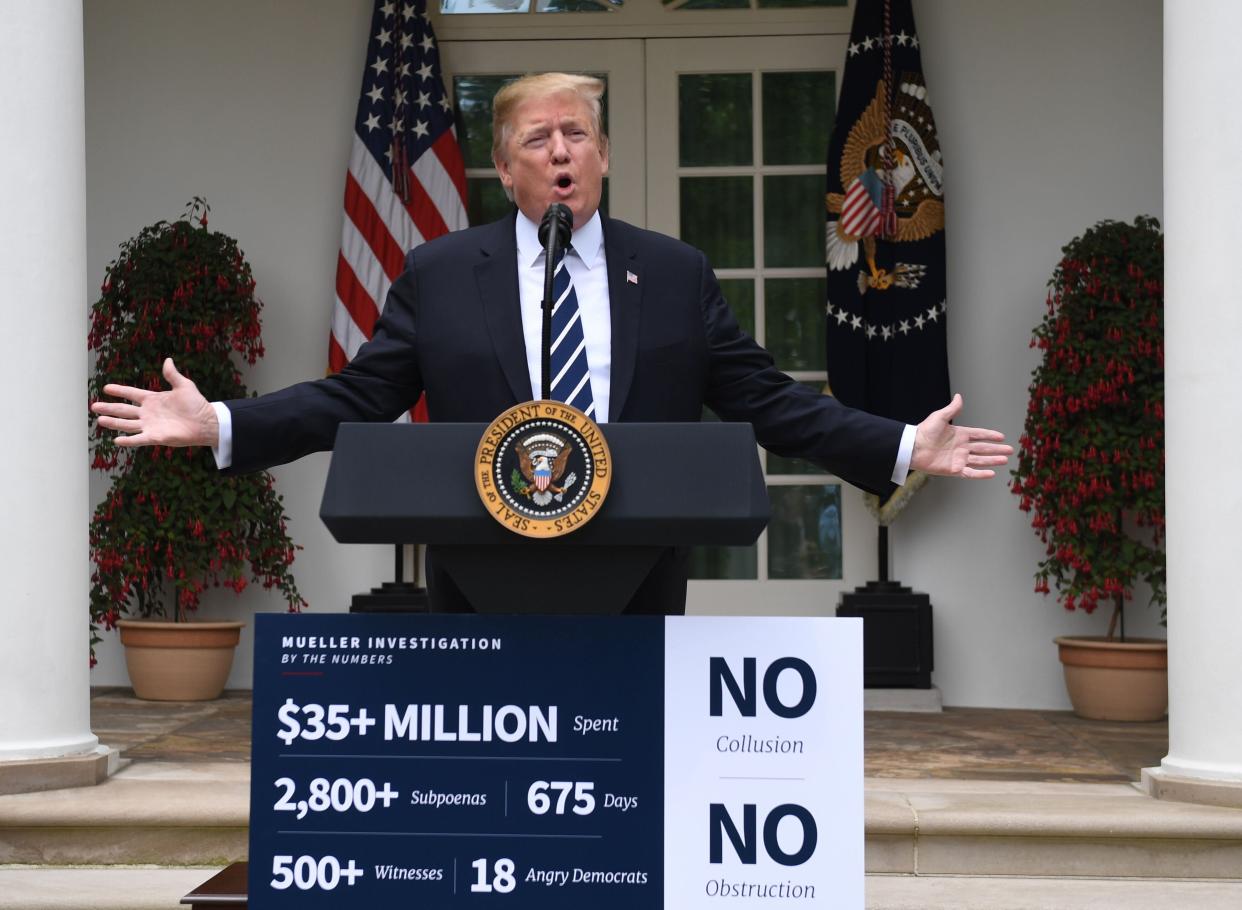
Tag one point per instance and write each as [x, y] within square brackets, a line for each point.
[543, 469]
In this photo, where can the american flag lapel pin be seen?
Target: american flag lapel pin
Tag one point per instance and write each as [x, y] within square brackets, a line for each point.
[630, 277]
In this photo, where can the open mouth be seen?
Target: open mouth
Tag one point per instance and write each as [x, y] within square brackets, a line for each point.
[564, 182]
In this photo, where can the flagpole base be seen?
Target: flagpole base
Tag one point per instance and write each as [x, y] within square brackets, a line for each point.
[392, 597]
[897, 634]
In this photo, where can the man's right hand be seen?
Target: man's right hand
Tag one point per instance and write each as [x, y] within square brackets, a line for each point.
[180, 416]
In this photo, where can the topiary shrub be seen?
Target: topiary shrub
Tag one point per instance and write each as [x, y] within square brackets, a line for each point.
[171, 524]
[1091, 458]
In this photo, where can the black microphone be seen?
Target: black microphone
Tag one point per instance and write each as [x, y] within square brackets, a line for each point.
[557, 216]
[554, 233]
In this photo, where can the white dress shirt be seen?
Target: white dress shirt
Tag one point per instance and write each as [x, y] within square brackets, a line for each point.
[587, 270]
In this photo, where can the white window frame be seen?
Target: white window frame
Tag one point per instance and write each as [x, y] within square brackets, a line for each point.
[640, 19]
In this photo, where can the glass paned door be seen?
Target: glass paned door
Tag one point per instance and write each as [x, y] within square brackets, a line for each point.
[737, 133]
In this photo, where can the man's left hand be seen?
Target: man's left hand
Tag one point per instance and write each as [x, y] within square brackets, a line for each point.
[950, 451]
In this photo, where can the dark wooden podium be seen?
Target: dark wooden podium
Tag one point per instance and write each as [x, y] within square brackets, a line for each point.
[674, 484]
[227, 888]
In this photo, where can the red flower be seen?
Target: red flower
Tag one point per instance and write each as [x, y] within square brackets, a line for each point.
[1093, 435]
[162, 534]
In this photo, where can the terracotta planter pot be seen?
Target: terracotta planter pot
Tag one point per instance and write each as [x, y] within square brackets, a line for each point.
[1116, 680]
[179, 661]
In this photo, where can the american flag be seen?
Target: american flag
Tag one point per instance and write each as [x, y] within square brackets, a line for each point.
[861, 214]
[406, 180]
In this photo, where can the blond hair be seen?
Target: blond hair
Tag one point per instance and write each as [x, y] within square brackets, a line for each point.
[544, 85]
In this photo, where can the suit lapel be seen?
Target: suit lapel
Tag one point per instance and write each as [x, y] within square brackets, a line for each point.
[625, 295]
[496, 276]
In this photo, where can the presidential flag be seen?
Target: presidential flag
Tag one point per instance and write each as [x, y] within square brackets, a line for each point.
[886, 306]
[406, 181]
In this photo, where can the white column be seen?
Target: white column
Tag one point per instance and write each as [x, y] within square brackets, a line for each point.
[1203, 422]
[44, 683]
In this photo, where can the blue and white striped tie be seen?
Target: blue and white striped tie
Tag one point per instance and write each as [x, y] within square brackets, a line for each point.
[571, 379]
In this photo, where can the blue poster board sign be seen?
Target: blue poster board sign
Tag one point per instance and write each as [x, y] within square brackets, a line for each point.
[555, 762]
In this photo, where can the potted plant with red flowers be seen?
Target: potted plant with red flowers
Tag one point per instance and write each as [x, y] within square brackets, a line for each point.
[1091, 459]
[172, 525]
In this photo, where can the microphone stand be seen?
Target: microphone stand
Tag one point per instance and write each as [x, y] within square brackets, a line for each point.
[555, 231]
[549, 270]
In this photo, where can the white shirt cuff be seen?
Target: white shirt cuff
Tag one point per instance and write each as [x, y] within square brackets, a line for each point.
[904, 453]
[222, 452]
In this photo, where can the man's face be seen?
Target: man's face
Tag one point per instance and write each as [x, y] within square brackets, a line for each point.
[552, 155]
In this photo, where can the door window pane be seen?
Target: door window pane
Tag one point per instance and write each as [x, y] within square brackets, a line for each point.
[474, 95]
[798, 111]
[714, 119]
[793, 221]
[523, 6]
[804, 535]
[718, 217]
[724, 562]
[576, 6]
[739, 293]
[486, 200]
[794, 322]
[484, 6]
[778, 464]
[774, 4]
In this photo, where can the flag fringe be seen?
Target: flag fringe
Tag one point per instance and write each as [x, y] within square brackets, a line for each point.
[887, 513]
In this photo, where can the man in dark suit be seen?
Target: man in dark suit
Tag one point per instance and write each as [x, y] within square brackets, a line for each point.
[652, 332]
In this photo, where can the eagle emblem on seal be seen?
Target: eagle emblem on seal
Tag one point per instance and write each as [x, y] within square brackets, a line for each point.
[542, 458]
[914, 176]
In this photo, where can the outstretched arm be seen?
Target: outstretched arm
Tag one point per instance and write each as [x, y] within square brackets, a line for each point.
[180, 416]
[952, 451]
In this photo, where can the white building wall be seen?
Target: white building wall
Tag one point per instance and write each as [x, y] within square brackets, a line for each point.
[250, 105]
[1049, 117]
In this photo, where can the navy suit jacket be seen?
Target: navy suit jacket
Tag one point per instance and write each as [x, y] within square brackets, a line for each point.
[452, 328]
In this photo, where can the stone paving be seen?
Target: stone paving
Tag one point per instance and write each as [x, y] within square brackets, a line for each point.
[959, 743]
[968, 809]
[995, 744]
